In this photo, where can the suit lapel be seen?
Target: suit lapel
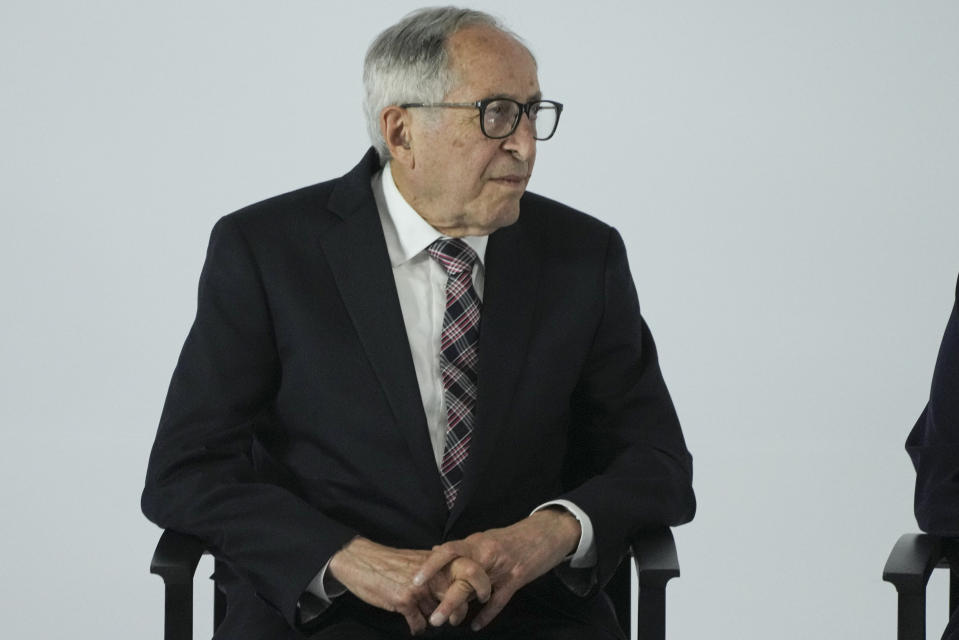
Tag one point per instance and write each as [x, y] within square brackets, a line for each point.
[356, 253]
[512, 275]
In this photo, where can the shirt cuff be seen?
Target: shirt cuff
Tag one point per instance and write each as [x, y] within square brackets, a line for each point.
[585, 555]
[321, 591]
[324, 586]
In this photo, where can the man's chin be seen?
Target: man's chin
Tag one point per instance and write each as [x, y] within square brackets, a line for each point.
[507, 217]
[504, 213]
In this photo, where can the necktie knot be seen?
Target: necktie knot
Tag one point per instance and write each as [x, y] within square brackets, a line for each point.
[453, 254]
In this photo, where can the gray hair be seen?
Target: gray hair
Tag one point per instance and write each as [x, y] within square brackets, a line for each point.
[409, 62]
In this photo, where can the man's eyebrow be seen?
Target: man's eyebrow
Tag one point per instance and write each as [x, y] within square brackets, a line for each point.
[536, 96]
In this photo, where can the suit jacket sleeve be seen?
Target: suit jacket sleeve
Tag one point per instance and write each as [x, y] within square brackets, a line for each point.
[933, 443]
[204, 476]
[628, 450]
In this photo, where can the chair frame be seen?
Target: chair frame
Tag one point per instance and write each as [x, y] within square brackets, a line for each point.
[654, 553]
[910, 563]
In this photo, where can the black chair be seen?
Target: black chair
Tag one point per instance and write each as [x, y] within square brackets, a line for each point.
[908, 567]
[654, 553]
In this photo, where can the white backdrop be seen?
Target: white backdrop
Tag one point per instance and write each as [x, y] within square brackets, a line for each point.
[783, 172]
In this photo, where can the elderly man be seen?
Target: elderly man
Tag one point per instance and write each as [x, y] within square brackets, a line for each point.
[417, 398]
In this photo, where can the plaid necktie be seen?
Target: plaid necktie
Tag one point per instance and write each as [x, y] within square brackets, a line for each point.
[459, 357]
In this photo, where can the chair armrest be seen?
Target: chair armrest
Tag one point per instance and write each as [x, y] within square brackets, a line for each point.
[911, 561]
[654, 552]
[176, 557]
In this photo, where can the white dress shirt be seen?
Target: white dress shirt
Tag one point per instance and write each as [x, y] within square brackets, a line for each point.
[421, 287]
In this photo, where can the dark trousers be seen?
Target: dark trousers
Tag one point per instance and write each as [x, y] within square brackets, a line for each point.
[544, 610]
[522, 619]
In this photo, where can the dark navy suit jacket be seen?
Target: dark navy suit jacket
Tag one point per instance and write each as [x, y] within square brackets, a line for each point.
[933, 443]
[294, 421]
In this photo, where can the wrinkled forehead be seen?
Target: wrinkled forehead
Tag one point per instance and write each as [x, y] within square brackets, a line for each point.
[492, 63]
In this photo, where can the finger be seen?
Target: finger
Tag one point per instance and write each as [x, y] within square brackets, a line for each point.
[416, 622]
[427, 605]
[438, 558]
[466, 569]
[457, 596]
[493, 607]
[478, 580]
[459, 614]
[410, 605]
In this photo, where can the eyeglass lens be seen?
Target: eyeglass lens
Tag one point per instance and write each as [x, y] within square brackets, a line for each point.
[502, 116]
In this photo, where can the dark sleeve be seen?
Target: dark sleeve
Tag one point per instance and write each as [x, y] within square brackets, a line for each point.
[628, 448]
[202, 478]
[933, 443]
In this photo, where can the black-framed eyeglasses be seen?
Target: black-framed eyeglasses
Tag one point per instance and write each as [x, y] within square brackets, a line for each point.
[499, 117]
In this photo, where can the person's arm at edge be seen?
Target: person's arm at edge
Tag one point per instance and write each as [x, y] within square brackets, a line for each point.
[933, 443]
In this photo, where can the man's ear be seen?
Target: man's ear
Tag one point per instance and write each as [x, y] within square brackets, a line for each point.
[396, 130]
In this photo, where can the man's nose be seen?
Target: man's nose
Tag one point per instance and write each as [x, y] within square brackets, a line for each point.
[521, 142]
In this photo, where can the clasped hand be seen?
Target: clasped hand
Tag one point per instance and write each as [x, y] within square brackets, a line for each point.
[383, 577]
[512, 557]
[437, 586]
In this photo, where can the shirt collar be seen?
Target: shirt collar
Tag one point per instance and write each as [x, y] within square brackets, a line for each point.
[407, 233]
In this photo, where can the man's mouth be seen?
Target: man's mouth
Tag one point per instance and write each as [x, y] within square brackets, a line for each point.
[511, 180]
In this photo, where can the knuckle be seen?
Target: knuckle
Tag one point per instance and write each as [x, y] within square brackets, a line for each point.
[486, 554]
